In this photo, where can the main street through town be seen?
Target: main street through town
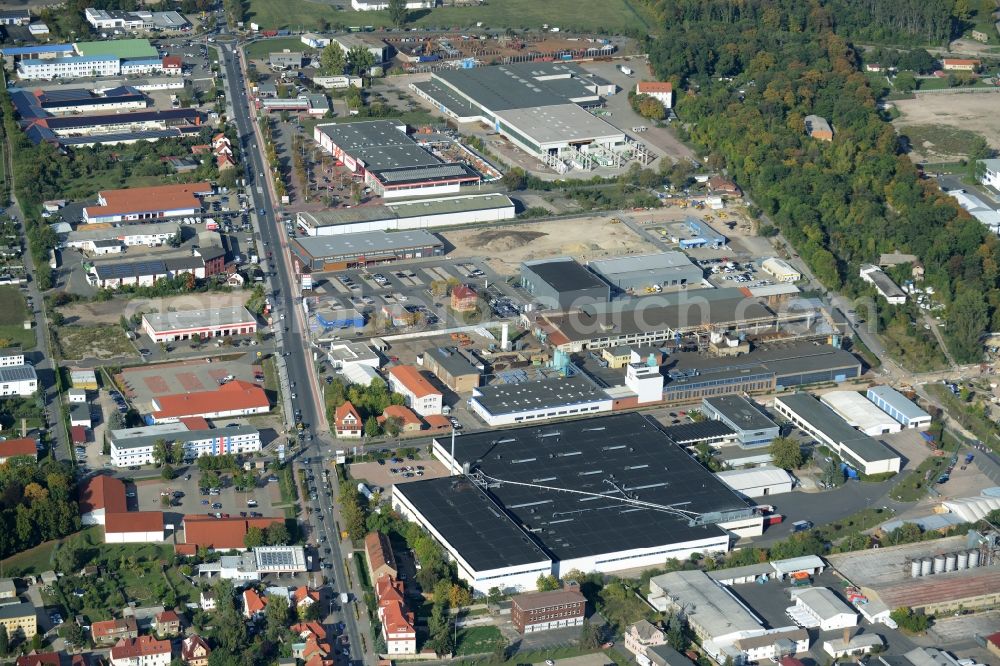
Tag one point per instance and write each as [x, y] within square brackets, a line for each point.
[300, 391]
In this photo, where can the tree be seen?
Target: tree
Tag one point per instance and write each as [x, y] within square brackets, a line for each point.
[675, 633]
[547, 583]
[786, 453]
[161, 451]
[210, 479]
[393, 426]
[590, 636]
[909, 621]
[398, 12]
[254, 538]
[331, 61]
[494, 596]
[312, 612]
[515, 179]
[905, 82]
[277, 534]
[459, 596]
[276, 613]
[360, 60]
[371, 427]
[4, 641]
[167, 473]
[967, 320]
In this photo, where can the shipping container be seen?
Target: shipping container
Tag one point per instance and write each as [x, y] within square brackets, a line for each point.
[773, 520]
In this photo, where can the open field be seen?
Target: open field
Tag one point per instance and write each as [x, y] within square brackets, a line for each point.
[612, 16]
[38, 559]
[13, 312]
[940, 127]
[102, 341]
[583, 238]
[110, 312]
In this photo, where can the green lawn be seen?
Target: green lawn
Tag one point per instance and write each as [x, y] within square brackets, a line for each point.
[940, 139]
[477, 640]
[13, 313]
[612, 16]
[38, 559]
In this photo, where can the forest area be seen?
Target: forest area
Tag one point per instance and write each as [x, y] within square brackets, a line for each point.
[749, 72]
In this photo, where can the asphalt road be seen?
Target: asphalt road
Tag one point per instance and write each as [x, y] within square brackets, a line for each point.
[294, 364]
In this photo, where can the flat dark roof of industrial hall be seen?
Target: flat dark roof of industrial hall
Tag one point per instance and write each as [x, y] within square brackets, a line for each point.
[590, 455]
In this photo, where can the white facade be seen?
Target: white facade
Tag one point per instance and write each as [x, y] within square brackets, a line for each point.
[338, 82]
[528, 416]
[758, 482]
[824, 609]
[72, 67]
[883, 284]
[119, 657]
[422, 400]
[18, 380]
[150, 235]
[645, 381]
[314, 41]
[9, 360]
[153, 536]
[407, 215]
[899, 407]
[991, 173]
[780, 270]
[220, 441]
[860, 412]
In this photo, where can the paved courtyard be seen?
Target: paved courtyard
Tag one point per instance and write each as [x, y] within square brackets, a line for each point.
[143, 383]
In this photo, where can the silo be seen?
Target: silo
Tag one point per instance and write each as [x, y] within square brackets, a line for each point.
[949, 561]
[938, 564]
[973, 559]
[915, 569]
[963, 561]
[926, 566]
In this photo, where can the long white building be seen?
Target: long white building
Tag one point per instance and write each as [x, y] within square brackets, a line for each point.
[134, 446]
[69, 67]
[18, 380]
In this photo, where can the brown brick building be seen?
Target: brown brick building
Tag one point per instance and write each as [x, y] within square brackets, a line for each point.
[541, 611]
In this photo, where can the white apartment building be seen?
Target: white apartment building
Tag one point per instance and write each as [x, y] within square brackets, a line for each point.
[18, 380]
[379, 5]
[991, 173]
[71, 67]
[420, 394]
[11, 358]
[141, 651]
[134, 446]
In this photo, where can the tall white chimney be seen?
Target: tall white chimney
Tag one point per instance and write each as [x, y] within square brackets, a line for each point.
[504, 342]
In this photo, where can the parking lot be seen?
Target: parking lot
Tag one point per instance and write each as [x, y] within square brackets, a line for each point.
[142, 384]
[383, 475]
[148, 494]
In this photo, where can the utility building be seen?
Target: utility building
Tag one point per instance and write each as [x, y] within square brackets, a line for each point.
[562, 283]
[636, 274]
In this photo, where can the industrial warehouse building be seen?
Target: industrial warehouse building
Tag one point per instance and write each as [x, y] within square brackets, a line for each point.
[506, 535]
[190, 324]
[899, 407]
[635, 274]
[753, 427]
[858, 450]
[550, 398]
[860, 413]
[758, 481]
[562, 283]
[392, 163]
[336, 253]
[536, 106]
[407, 215]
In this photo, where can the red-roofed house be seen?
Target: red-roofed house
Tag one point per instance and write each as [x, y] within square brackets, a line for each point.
[959, 65]
[100, 496]
[15, 448]
[253, 604]
[221, 533]
[304, 596]
[235, 398]
[145, 204]
[723, 185]
[463, 299]
[78, 434]
[173, 65]
[167, 623]
[195, 651]
[438, 422]
[347, 421]
[660, 90]
[306, 629]
[108, 632]
[420, 394]
[379, 556]
[142, 651]
[224, 162]
[397, 620]
[409, 422]
[134, 527]
[39, 659]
